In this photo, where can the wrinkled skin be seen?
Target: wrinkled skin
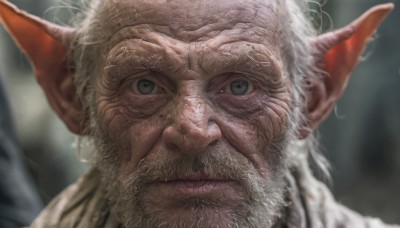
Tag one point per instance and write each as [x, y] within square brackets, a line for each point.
[193, 52]
[190, 67]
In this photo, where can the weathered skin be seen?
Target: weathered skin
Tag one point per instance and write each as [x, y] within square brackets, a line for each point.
[192, 64]
[192, 109]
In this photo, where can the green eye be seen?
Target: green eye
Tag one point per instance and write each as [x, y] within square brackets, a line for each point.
[145, 86]
[239, 87]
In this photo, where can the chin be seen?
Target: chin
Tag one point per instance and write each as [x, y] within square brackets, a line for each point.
[228, 205]
[216, 206]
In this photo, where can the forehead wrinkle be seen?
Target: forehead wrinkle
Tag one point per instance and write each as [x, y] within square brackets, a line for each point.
[189, 20]
[247, 21]
[257, 26]
[147, 55]
[144, 32]
[158, 34]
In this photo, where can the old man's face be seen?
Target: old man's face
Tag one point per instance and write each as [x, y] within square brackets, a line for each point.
[192, 108]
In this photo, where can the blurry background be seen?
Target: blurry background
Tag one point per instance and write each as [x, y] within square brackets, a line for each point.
[46, 142]
[361, 139]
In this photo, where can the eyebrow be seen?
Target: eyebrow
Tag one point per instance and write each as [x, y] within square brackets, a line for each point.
[239, 56]
[258, 61]
[134, 63]
[142, 32]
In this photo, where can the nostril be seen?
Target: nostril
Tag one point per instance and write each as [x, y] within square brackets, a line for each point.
[213, 143]
[172, 147]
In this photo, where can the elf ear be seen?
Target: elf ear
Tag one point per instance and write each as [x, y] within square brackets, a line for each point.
[337, 53]
[46, 46]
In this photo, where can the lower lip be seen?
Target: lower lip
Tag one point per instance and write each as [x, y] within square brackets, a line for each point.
[195, 187]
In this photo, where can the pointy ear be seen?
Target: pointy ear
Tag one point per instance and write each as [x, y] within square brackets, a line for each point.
[46, 45]
[337, 54]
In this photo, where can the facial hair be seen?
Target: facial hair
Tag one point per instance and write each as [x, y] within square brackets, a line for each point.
[261, 205]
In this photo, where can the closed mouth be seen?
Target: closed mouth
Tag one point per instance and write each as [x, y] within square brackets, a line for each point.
[194, 184]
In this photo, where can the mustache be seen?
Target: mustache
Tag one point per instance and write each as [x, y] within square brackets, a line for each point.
[210, 165]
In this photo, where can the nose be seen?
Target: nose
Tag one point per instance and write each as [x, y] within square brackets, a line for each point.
[192, 129]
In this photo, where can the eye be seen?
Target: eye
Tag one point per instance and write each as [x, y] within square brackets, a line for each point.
[145, 87]
[238, 87]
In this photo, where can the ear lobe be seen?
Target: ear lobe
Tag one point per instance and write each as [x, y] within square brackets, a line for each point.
[337, 54]
[46, 44]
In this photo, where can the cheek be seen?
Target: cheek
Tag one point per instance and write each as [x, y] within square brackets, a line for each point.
[133, 128]
[254, 133]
